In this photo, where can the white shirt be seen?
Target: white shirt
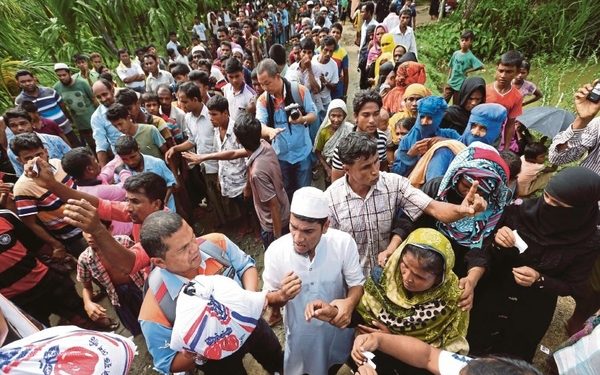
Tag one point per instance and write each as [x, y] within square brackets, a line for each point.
[238, 101]
[201, 134]
[295, 74]
[200, 30]
[173, 46]
[232, 173]
[312, 347]
[407, 39]
[330, 71]
[391, 21]
[163, 77]
[363, 31]
[125, 72]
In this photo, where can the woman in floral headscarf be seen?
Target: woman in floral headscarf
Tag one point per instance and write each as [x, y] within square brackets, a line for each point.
[377, 44]
[416, 294]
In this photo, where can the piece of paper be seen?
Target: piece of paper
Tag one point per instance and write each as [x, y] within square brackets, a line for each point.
[369, 356]
[519, 243]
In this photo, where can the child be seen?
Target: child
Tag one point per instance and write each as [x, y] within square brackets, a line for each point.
[526, 88]
[462, 63]
[125, 294]
[501, 91]
[147, 136]
[534, 175]
[151, 103]
[401, 129]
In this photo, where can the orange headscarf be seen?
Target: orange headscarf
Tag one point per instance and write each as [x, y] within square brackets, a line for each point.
[407, 73]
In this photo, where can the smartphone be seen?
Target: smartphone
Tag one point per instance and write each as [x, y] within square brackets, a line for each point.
[594, 95]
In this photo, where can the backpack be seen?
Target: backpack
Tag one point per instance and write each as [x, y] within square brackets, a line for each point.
[156, 284]
[292, 95]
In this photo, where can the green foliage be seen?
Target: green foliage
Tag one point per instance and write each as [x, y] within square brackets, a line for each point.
[565, 27]
[49, 31]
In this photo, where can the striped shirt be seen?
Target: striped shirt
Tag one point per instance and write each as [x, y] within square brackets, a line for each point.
[31, 199]
[19, 268]
[578, 142]
[336, 163]
[48, 104]
[369, 220]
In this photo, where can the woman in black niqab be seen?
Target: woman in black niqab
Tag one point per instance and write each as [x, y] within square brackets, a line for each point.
[510, 315]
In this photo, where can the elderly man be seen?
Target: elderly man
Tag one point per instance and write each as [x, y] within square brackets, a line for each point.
[365, 201]
[318, 271]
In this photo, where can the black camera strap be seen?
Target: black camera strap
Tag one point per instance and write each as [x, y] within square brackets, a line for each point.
[292, 95]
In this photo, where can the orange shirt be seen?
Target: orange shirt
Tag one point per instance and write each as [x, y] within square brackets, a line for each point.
[512, 100]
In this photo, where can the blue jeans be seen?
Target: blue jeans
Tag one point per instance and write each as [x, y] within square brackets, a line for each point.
[296, 175]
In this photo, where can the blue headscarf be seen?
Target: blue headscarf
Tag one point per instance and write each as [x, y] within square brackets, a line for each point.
[490, 115]
[487, 167]
[434, 107]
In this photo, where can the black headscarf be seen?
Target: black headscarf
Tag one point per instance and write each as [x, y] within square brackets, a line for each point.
[457, 117]
[408, 56]
[384, 71]
[549, 225]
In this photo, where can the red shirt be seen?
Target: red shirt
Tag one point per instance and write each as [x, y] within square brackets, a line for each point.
[49, 127]
[512, 100]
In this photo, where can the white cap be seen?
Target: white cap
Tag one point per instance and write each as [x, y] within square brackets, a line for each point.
[310, 202]
[323, 9]
[198, 49]
[61, 66]
[309, 2]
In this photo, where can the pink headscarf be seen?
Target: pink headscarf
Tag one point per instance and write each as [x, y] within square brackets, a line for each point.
[375, 50]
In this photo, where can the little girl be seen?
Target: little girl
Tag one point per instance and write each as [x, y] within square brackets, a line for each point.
[527, 88]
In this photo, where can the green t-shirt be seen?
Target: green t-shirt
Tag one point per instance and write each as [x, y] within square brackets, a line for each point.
[460, 63]
[78, 98]
[149, 140]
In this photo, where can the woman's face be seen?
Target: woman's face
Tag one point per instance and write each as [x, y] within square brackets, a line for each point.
[336, 116]
[391, 78]
[414, 278]
[398, 53]
[555, 202]
[411, 102]
[379, 33]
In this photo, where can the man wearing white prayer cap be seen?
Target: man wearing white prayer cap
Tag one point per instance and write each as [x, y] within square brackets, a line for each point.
[317, 277]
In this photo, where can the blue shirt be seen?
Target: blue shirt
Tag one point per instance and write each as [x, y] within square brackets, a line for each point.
[48, 104]
[105, 134]
[157, 333]
[56, 147]
[158, 166]
[293, 143]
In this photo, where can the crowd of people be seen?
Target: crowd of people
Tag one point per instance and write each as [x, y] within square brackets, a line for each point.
[407, 236]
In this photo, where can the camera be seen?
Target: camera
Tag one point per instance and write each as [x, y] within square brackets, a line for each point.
[594, 95]
[293, 111]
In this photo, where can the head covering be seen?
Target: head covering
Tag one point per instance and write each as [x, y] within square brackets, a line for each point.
[457, 116]
[310, 202]
[490, 115]
[345, 128]
[215, 316]
[547, 225]
[487, 167]
[406, 111]
[387, 43]
[61, 66]
[408, 56]
[384, 71]
[405, 50]
[237, 49]
[406, 74]
[432, 316]
[376, 49]
[434, 107]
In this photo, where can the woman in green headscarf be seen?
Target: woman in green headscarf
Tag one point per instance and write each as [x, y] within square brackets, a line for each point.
[417, 295]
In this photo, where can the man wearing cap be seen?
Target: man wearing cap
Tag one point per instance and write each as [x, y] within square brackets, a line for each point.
[325, 13]
[78, 98]
[316, 271]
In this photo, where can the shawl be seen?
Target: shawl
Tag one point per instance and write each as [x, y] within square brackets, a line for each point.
[492, 116]
[417, 176]
[548, 225]
[339, 134]
[377, 47]
[487, 167]
[405, 112]
[432, 316]
[457, 116]
[407, 73]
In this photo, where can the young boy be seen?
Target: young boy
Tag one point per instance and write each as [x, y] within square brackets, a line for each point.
[462, 63]
[264, 179]
[147, 136]
[502, 91]
[237, 92]
[534, 175]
